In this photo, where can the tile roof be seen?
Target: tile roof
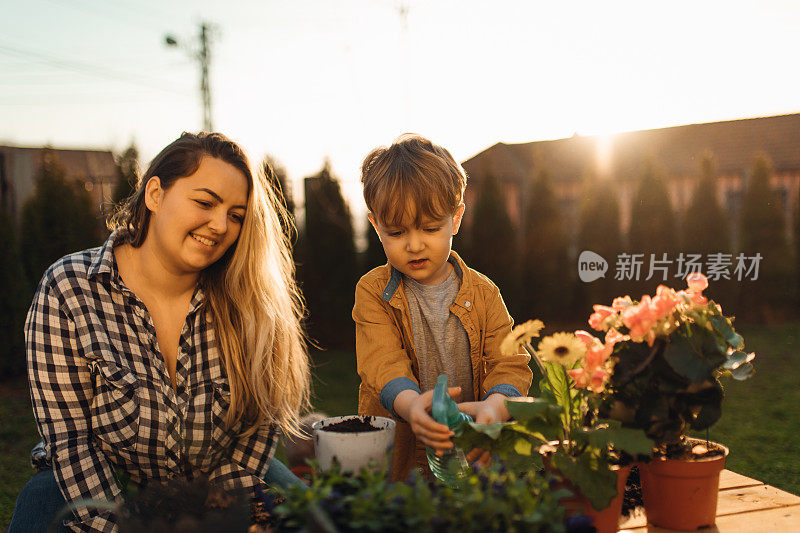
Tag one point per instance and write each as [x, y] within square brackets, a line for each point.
[676, 150]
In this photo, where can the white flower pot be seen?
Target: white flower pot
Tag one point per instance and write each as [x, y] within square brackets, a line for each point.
[358, 449]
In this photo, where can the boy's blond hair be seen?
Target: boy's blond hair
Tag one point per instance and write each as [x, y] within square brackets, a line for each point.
[412, 176]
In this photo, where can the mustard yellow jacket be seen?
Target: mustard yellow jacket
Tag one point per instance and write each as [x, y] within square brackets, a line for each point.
[385, 349]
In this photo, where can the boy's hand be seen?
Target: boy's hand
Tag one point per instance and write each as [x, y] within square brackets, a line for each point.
[492, 409]
[414, 408]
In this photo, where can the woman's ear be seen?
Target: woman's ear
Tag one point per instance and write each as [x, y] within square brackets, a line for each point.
[457, 217]
[153, 194]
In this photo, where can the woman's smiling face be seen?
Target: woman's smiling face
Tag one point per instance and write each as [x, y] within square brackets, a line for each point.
[196, 220]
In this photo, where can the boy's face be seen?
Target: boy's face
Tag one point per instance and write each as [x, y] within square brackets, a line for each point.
[420, 253]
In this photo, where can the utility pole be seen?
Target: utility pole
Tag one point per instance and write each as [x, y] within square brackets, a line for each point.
[202, 53]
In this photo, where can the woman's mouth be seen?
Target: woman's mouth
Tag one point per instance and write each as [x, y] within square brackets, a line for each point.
[417, 263]
[203, 240]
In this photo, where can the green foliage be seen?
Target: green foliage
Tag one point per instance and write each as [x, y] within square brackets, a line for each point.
[58, 219]
[493, 499]
[326, 259]
[492, 248]
[763, 231]
[127, 174]
[544, 255]
[599, 231]
[705, 225]
[16, 298]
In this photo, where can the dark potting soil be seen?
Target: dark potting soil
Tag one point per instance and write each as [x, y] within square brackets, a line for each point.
[633, 493]
[691, 448]
[352, 425]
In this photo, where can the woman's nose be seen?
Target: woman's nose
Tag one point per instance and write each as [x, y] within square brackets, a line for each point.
[219, 221]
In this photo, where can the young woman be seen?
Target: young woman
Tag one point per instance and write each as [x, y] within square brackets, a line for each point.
[175, 349]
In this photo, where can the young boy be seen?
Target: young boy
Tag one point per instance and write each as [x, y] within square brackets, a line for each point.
[425, 312]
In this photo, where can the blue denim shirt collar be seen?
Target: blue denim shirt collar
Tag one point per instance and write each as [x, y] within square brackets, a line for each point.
[396, 277]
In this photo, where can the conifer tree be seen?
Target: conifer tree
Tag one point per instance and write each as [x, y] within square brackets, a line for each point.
[57, 220]
[278, 179]
[706, 231]
[127, 174]
[374, 255]
[545, 282]
[16, 299]
[599, 232]
[493, 246]
[328, 269]
[653, 231]
[796, 232]
[763, 232]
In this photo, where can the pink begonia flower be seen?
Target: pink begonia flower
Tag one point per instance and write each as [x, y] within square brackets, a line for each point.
[601, 312]
[593, 379]
[639, 318]
[587, 338]
[664, 302]
[621, 303]
[697, 282]
[613, 336]
[580, 376]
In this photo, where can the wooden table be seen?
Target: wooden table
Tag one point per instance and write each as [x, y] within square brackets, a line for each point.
[745, 506]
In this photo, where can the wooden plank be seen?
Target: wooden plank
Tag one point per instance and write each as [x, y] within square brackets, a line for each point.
[735, 501]
[780, 519]
[744, 499]
[729, 479]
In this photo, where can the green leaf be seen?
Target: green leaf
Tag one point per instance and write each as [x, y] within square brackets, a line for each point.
[687, 358]
[632, 441]
[538, 408]
[590, 475]
[743, 372]
[724, 327]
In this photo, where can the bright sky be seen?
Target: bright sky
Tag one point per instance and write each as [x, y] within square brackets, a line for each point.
[308, 79]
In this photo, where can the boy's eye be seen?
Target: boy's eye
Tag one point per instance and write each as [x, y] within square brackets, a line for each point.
[433, 230]
[393, 233]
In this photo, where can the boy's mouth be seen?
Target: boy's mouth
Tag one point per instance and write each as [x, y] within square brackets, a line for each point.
[417, 263]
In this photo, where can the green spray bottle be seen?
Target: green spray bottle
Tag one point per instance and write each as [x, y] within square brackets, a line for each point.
[452, 465]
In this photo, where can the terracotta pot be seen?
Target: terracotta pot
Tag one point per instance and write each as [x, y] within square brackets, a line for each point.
[682, 494]
[605, 520]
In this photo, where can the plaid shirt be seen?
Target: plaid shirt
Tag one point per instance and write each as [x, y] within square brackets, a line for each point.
[103, 399]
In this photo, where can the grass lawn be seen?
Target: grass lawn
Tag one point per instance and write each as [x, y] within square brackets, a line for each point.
[759, 423]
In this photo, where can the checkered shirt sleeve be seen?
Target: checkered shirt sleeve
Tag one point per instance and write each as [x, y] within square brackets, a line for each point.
[61, 393]
[248, 461]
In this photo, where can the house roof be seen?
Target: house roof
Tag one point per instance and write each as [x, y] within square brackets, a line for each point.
[79, 164]
[676, 150]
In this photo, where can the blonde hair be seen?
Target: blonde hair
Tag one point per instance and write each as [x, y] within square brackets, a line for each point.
[251, 292]
[412, 174]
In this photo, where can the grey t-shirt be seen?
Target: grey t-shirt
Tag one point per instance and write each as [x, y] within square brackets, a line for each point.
[440, 340]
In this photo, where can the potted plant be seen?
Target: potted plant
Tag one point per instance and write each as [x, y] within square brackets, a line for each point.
[669, 353]
[590, 454]
[354, 441]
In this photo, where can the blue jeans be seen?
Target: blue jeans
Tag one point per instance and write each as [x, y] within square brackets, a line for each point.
[40, 500]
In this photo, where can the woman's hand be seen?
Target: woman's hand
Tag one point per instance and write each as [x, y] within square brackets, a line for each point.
[492, 409]
[415, 409]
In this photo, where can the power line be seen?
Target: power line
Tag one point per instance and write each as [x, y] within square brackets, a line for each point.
[86, 68]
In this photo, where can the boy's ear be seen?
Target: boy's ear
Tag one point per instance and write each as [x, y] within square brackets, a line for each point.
[457, 217]
[153, 194]
[374, 224]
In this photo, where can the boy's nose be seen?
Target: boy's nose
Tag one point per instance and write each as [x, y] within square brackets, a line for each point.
[414, 243]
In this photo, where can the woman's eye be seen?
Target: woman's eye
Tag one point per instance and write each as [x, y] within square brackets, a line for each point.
[203, 203]
[238, 218]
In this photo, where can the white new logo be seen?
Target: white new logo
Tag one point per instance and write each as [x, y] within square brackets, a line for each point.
[591, 266]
